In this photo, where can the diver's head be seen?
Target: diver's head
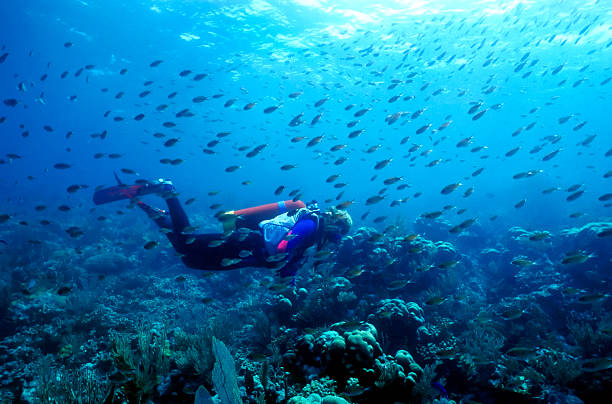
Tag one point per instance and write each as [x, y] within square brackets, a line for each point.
[336, 223]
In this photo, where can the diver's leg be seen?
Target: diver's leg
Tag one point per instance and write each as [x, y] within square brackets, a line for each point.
[159, 216]
[178, 215]
[217, 251]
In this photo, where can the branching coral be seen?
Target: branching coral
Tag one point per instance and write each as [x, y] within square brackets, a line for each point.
[144, 365]
[80, 386]
[589, 341]
[423, 388]
[480, 345]
[559, 367]
[193, 352]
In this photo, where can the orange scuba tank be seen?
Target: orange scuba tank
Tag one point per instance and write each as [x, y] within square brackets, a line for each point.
[250, 217]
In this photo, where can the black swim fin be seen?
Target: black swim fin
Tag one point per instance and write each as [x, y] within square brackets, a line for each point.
[122, 191]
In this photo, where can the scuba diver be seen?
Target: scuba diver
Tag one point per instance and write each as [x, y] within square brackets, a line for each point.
[275, 235]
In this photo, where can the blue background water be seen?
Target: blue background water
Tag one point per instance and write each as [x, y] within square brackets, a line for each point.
[261, 52]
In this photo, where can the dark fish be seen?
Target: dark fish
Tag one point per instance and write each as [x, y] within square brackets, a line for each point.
[229, 103]
[250, 105]
[477, 172]
[574, 196]
[3, 57]
[315, 141]
[297, 120]
[11, 102]
[520, 203]
[74, 231]
[474, 108]
[150, 245]
[64, 290]
[355, 133]
[321, 102]
[450, 188]
[295, 94]
[518, 131]
[423, 129]
[199, 76]
[382, 164]
[465, 142]
[416, 114]
[316, 119]
[512, 152]
[271, 109]
[557, 69]
[185, 73]
[73, 188]
[199, 98]
[479, 115]
[361, 112]
[432, 215]
[171, 142]
[62, 166]
[256, 150]
[445, 125]
[551, 155]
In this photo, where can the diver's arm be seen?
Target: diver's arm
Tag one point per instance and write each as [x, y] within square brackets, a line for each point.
[294, 245]
[299, 232]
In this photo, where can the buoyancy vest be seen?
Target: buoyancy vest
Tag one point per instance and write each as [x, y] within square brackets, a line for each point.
[276, 229]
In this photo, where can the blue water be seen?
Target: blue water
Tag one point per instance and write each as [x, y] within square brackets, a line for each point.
[442, 56]
[261, 52]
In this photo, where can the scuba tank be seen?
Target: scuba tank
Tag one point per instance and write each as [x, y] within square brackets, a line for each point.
[251, 217]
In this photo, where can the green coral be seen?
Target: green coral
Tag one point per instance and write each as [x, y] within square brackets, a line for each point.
[423, 388]
[323, 386]
[558, 367]
[61, 386]
[142, 365]
[193, 352]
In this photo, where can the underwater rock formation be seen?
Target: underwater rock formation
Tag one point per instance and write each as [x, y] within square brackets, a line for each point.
[351, 355]
[107, 263]
[399, 321]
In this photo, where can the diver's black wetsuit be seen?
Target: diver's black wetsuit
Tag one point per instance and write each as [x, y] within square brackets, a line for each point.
[196, 249]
